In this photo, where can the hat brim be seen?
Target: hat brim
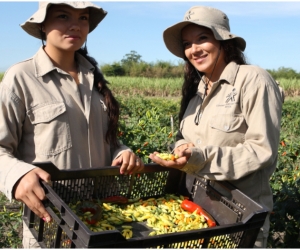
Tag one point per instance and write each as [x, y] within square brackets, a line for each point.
[32, 25]
[173, 40]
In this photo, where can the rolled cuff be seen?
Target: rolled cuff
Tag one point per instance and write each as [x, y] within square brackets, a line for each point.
[12, 177]
[195, 162]
[180, 142]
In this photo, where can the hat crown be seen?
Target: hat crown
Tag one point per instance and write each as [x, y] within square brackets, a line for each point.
[211, 16]
[74, 4]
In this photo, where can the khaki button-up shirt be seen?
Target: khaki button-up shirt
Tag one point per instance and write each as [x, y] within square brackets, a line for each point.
[45, 116]
[237, 136]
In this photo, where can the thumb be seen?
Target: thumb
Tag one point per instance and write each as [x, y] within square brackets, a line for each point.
[117, 161]
[43, 175]
[186, 152]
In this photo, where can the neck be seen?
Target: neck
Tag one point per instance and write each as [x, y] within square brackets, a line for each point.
[215, 75]
[64, 60]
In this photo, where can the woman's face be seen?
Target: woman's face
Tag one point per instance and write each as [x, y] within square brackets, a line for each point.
[66, 28]
[203, 50]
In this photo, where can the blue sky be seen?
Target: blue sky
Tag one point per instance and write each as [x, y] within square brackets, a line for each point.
[271, 30]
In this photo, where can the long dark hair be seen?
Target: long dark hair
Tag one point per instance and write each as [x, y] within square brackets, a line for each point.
[191, 77]
[100, 84]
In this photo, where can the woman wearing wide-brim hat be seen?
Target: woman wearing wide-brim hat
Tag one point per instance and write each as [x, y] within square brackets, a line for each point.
[230, 111]
[57, 107]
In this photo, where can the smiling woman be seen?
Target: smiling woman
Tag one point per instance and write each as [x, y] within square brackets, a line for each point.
[228, 131]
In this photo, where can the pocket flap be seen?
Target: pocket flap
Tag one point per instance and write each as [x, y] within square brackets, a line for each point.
[226, 123]
[46, 112]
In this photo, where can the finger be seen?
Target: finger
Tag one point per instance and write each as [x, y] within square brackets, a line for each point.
[134, 163]
[36, 206]
[139, 165]
[124, 166]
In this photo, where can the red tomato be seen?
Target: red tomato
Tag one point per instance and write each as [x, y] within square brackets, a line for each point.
[191, 207]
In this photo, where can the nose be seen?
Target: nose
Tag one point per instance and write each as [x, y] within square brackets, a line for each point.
[74, 25]
[195, 48]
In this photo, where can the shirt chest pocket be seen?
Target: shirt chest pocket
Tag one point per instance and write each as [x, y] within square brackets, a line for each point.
[51, 128]
[228, 123]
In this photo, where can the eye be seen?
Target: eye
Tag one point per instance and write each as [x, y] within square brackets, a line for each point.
[203, 37]
[85, 17]
[186, 44]
[62, 16]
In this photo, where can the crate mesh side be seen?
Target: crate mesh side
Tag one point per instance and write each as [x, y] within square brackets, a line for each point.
[187, 244]
[106, 186]
[222, 241]
[49, 231]
[149, 184]
[75, 189]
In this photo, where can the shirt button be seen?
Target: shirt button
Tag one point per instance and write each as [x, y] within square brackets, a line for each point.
[198, 141]
[226, 127]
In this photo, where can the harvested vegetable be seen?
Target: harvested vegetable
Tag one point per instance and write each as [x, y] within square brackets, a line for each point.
[193, 207]
[167, 156]
[163, 215]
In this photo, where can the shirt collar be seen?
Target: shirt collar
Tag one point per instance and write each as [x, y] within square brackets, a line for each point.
[44, 65]
[228, 76]
[229, 73]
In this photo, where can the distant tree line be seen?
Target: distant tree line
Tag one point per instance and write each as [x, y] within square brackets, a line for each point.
[286, 73]
[133, 65]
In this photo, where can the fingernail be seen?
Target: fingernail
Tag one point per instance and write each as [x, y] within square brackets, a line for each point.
[47, 219]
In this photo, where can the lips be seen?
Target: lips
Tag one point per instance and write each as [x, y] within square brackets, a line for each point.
[200, 58]
[73, 37]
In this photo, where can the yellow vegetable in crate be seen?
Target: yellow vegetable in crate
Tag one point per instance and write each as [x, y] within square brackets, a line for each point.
[167, 156]
[163, 215]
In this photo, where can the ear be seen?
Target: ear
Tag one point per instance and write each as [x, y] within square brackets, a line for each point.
[42, 27]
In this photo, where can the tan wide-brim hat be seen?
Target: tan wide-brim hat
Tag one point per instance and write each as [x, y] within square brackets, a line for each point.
[32, 27]
[208, 17]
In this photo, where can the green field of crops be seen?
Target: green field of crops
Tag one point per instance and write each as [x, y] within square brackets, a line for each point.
[171, 87]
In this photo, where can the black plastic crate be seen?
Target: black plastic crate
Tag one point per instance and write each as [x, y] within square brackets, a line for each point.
[238, 217]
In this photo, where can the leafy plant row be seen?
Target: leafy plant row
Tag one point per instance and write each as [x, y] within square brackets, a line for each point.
[150, 124]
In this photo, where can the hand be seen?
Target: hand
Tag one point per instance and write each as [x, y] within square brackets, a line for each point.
[128, 163]
[183, 156]
[29, 191]
[183, 147]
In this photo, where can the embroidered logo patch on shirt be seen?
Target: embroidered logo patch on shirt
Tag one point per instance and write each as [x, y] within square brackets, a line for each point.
[231, 96]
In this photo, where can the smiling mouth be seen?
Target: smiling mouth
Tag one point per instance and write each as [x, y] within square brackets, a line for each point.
[200, 58]
[73, 37]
